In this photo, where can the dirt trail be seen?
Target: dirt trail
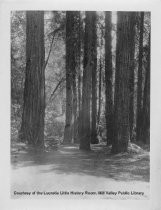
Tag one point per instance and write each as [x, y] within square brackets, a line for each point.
[71, 173]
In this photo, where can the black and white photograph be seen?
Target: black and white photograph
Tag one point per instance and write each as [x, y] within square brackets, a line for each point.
[80, 105]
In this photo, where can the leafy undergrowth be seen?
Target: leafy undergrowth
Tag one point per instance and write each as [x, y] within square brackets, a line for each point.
[16, 113]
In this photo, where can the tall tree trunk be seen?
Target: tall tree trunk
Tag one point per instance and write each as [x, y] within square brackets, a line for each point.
[94, 139]
[79, 75]
[123, 58]
[99, 92]
[32, 128]
[140, 80]
[131, 80]
[86, 89]
[146, 102]
[70, 67]
[74, 106]
[108, 78]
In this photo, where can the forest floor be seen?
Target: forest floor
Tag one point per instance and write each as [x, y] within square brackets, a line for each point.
[67, 172]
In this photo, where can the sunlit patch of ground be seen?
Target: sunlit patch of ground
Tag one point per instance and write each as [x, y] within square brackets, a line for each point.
[68, 169]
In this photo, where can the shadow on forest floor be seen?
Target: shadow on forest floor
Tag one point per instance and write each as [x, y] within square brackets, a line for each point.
[68, 159]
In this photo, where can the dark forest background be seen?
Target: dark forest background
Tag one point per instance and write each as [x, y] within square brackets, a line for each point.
[80, 77]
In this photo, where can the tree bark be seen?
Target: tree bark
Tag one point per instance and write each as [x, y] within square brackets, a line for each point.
[72, 65]
[99, 92]
[79, 76]
[69, 86]
[140, 80]
[146, 102]
[32, 128]
[131, 80]
[70, 77]
[74, 107]
[123, 58]
[108, 78]
[86, 89]
[94, 139]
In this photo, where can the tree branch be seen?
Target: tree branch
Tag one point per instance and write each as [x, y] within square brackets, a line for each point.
[53, 33]
[57, 86]
[46, 62]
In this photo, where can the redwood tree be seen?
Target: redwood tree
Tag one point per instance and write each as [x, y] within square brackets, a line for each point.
[94, 139]
[79, 72]
[73, 96]
[140, 81]
[123, 58]
[71, 99]
[32, 128]
[99, 92]
[146, 100]
[86, 89]
[131, 80]
[108, 78]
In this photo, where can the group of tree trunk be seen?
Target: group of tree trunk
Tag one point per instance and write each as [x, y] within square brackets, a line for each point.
[82, 112]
